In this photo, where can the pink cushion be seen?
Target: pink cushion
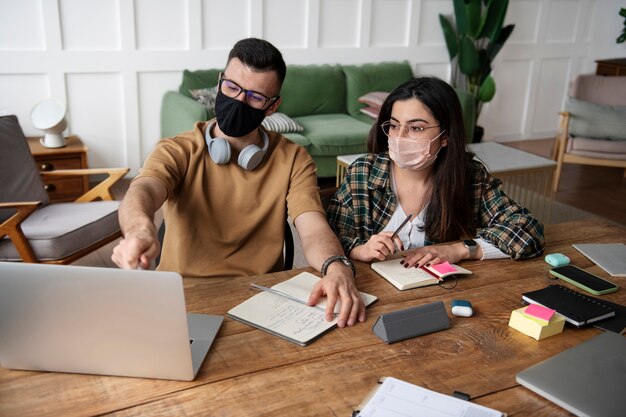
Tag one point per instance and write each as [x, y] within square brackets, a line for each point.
[371, 111]
[596, 148]
[374, 99]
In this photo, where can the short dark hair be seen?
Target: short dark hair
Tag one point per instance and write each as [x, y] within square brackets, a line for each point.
[260, 55]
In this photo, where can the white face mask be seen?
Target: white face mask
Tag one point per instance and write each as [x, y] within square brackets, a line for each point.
[412, 153]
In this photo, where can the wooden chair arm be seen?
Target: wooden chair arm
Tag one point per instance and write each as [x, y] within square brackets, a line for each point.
[102, 190]
[11, 227]
[562, 135]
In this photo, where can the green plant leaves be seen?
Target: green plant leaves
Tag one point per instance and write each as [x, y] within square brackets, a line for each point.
[469, 61]
[493, 19]
[487, 89]
[450, 36]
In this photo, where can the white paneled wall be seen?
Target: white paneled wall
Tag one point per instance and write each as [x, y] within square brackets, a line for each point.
[112, 60]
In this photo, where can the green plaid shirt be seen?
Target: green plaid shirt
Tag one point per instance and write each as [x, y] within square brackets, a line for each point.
[364, 203]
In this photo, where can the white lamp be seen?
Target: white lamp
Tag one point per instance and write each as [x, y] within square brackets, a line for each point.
[49, 116]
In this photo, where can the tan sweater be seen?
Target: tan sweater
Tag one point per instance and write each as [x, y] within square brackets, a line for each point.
[224, 221]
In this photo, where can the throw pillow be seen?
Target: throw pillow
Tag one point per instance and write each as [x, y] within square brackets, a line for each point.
[596, 121]
[205, 96]
[371, 111]
[281, 123]
[374, 98]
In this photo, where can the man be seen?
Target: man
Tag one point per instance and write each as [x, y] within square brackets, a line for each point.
[228, 186]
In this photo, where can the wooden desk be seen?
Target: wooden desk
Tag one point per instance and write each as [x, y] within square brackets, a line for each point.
[250, 372]
[72, 156]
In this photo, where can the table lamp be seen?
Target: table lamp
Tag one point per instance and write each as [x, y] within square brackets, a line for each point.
[49, 116]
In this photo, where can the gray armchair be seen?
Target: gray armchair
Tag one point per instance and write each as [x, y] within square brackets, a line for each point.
[32, 229]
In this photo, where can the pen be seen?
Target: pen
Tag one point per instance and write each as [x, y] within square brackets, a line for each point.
[283, 294]
[401, 226]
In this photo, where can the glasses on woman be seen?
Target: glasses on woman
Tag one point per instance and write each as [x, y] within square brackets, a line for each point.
[255, 100]
[411, 130]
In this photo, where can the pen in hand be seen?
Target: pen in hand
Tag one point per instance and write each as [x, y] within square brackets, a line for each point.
[395, 233]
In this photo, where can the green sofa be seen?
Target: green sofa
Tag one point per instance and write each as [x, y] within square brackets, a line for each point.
[321, 98]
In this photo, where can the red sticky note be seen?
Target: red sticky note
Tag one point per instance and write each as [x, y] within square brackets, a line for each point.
[539, 312]
[443, 268]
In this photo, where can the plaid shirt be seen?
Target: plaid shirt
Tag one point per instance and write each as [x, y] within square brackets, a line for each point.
[364, 203]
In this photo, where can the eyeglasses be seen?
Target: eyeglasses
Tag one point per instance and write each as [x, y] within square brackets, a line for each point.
[252, 98]
[411, 129]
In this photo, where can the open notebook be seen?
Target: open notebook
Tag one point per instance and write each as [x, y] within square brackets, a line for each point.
[103, 321]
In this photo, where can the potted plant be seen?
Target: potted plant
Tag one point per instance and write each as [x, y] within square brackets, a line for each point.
[621, 38]
[472, 45]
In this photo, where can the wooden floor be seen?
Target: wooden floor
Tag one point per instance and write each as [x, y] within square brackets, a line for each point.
[598, 190]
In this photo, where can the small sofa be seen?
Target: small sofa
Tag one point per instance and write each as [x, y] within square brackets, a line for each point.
[323, 99]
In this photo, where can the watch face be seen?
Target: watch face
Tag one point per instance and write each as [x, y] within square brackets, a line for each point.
[469, 242]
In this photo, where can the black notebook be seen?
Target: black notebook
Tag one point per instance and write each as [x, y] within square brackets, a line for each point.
[577, 308]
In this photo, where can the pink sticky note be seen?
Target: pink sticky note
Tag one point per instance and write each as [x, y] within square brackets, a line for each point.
[540, 312]
[443, 268]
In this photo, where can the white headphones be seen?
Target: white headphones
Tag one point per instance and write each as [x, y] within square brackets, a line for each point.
[249, 157]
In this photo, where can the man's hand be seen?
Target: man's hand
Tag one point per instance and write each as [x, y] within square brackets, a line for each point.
[378, 247]
[136, 250]
[338, 286]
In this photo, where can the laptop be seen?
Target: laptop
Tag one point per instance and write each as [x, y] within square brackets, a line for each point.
[609, 256]
[587, 380]
[104, 321]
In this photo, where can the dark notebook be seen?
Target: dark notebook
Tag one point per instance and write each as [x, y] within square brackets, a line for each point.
[577, 308]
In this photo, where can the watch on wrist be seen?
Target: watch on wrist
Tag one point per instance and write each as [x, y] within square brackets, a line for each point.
[344, 260]
[472, 247]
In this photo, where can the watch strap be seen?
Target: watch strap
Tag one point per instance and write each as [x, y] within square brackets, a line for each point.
[343, 259]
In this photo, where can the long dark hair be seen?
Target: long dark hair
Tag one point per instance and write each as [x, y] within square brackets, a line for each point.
[450, 214]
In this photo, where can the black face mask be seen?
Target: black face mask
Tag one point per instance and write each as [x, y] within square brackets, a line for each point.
[235, 118]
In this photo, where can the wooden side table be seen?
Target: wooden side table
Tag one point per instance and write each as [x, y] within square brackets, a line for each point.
[611, 66]
[72, 156]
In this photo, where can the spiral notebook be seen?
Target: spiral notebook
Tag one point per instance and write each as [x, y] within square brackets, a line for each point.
[577, 308]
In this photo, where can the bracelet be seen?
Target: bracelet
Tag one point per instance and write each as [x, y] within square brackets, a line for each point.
[347, 262]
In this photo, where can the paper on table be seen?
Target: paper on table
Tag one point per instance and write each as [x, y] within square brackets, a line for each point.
[397, 398]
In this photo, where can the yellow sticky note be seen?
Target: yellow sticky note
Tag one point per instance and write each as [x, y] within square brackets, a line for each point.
[519, 321]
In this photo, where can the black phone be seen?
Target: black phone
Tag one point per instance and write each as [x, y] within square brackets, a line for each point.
[589, 282]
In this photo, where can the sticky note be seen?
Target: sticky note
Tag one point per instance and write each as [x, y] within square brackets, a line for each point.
[521, 322]
[541, 313]
[443, 268]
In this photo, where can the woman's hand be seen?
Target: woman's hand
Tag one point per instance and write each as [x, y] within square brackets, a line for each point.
[378, 247]
[435, 254]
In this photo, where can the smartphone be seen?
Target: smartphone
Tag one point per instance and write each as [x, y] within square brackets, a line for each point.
[589, 282]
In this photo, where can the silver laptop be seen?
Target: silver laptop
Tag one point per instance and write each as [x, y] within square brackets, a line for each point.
[587, 380]
[100, 321]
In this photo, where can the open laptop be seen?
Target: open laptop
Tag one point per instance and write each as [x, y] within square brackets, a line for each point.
[100, 321]
[587, 380]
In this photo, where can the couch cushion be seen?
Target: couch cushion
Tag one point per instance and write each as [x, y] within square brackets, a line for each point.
[195, 80]
[595, 148]
[591, 120]
[299, 139]
[365, 78]
[313, 89]
[60, 230]
[15, 157]
[335, 134]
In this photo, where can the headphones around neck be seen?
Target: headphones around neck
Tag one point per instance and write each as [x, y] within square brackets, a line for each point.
[249, 157]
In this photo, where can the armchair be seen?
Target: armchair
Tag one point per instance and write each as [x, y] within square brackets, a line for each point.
[31, 229]
[592, 130]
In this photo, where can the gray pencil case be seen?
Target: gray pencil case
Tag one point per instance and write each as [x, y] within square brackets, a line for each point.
[411, 322]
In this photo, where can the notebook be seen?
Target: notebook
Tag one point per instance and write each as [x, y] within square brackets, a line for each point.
[103, 321]
[609, 256]
[587, 380]
[577, 308]
[282, 310]
[406, 278]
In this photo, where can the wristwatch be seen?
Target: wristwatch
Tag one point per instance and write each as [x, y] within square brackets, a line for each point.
[344, 260]
[472, 247]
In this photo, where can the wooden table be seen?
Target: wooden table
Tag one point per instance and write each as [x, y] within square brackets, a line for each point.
[611, 66]
[250, 372]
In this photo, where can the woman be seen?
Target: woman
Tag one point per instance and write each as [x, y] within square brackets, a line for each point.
[418, 167]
